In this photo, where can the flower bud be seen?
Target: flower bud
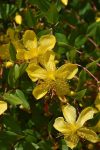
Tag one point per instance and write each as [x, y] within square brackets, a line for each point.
[18, 19]
[8, 64]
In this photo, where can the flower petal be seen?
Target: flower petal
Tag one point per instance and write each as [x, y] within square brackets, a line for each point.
[47, 42]
[85, 115]
[31, 54]
[88, 134]
[48, 61]
[97, 101]
[40, 90]
[3, 107]
[62, 126]
[36, 72]
[67, 71]
[71, 140]
[69, 113]
[29, 39]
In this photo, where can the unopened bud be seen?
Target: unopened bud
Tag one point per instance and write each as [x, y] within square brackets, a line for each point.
[8, 64]
[18, 19]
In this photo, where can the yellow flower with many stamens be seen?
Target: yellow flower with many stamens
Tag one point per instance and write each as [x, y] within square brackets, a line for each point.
[73, 129]
[31, 48]
[50, 77]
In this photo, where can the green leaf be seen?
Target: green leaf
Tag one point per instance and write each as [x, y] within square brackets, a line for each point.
[22, 68]
[80, 40]
[79, 95]
[12, 51]
[29, 19]
[43, 5]
[61, 39]
[82, 80]
[52, 14]
[22, 97]
[12, 99]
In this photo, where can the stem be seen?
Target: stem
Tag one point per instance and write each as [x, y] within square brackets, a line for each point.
[89, 73]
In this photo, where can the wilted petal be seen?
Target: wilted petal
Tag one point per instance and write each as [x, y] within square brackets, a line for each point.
[40, 91]
[67, 71]
[36, 72]
[62, 126]
[47, 42]
[88, 134]
[69, 113]
[29, 39]
[3, 107]
[85, 115]
[71, 140]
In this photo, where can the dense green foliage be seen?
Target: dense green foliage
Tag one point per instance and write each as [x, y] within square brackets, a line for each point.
[28, 123]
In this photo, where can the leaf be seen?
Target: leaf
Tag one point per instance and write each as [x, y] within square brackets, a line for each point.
[22, 68]
[61, 39]
[79, 95]
[52, 14]
[43, 5]
[22, 97]
[80, 40]
[29, 19]
[12, 99]
[82, 80]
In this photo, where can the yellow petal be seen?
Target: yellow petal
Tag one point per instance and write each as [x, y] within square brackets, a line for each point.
[20, 54]
[85, 115]
[69, 113]
[31, 54]
[65, 2]
[48, 61]
[97, 101]
[67, 71]
[3, 107]
[88, 134]
[29, 39]
[47, 42]
[62, 126]
[36, 72]
[40, 91]
[71, 140]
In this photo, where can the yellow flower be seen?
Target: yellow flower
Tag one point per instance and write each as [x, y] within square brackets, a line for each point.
[3, 107]
[65, 2]
[72, 129]
[50, 77]
[31, 48]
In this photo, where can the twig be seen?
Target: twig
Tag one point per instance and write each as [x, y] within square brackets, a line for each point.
[89, 73]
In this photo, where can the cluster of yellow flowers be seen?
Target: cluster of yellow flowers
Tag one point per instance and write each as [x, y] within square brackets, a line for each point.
[42, 69]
